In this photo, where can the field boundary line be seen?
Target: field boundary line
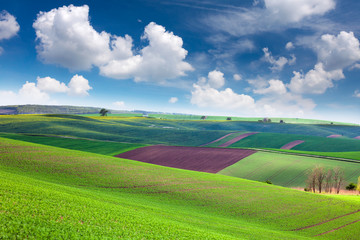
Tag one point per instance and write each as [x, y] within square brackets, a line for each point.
[335, 229]
[317, 224]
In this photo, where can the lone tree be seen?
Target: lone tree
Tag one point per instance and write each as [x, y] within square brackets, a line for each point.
[103, 112]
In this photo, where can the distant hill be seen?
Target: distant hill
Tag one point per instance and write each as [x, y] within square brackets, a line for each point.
[46, 109]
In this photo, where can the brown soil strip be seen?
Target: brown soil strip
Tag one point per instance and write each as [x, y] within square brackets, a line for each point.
[236, 139]
[217, 139]
[211, 160]
[317, 224]
[358, 137]
[290, 145]
[334, 136]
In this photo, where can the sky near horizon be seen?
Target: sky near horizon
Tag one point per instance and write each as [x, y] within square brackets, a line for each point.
[255, 58]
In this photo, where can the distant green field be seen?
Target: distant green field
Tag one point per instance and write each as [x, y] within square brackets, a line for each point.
[249, 119]
[47, 192]
[312, 143]
[93, 146]
[349, 155]
[286, 170]
[160, 131]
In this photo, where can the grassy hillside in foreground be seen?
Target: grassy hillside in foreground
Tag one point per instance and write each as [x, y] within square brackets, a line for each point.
[93, 146]
[286, 170]
[312, 143]
[48, 192]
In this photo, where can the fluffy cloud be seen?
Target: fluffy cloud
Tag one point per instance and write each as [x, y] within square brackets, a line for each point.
[275, 87]
[289, 46]
[216, 79]
[334, 54]
[338, 52]
[173, 100]
[65, 37]
[316, 81]
[48, 84]
[237, 77]
[162, 59]
[274, 16]
[205, 96]
[79, 86]
[277, 64]
[30, 93]
[288, 105]
[9, 27]
[38, 93]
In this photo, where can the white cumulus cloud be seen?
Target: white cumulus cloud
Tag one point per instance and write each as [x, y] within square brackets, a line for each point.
[279, 63]
[173, 100]
[65, 37]
[275, 87]
[79, 86]
[32, 94]
[162, 59]
[48, 84]
[9, 27]
[289, 46]
[338, 52]
[316, 81]
[206, 96]
[216, 79]
[237, 77]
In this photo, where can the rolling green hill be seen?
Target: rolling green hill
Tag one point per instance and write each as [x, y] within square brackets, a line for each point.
[141, 130]
[48, 192]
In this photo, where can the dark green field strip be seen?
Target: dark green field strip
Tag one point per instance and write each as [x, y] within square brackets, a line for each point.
[311, 143]
[128, 191]
[286, 170]
[140, 130]
[86, 145]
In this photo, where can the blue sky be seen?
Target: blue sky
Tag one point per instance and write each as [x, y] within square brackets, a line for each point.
[274, 58]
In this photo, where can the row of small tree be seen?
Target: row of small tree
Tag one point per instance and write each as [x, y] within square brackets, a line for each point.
[326, 180]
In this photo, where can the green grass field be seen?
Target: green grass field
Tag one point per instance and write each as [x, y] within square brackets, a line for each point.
[312, 143]
[287, 170]
[140, 130]
[347, 155]
[54, 193]
[93, 146]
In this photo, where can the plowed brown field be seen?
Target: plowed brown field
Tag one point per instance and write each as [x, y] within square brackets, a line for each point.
[210, 160]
